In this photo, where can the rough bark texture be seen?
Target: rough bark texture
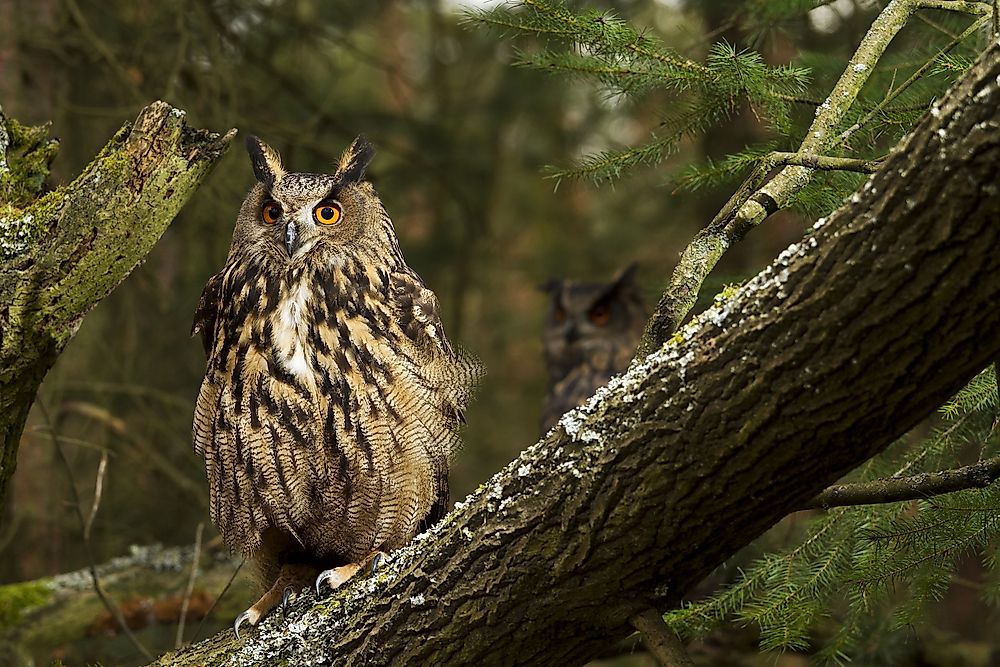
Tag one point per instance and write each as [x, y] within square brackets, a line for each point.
[841, 345]
[62, 253]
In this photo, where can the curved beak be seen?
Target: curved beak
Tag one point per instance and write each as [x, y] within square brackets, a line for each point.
[291, 238]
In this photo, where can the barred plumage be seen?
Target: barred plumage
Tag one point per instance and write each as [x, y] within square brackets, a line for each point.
[332, 397]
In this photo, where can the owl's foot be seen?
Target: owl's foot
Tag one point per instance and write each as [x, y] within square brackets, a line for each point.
[335, 577]
[291, 578]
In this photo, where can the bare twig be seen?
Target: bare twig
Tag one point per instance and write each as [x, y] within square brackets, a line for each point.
[109, 604]
[896, 489]
[179, 641]
[937, 26]
[102, 469]
[660, 640]
[197, 631]
[141, 447]
[893, 94]
[103, 50]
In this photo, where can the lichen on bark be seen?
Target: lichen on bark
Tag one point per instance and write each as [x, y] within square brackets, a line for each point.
[63, 251]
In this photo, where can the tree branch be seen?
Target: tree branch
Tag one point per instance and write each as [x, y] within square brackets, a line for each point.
[896, 92]
[962, 6]
[660, 640]
[704, 444]
[925, 485]
[753, 206]
[95, 578]
[824, 162]
[151, 585]
[64, 251]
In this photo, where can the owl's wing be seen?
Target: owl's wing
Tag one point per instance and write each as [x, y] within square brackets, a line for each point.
[207, 312]
[419, 312]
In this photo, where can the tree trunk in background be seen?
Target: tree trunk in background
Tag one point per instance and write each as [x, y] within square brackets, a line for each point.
[846, 342]
[64, 251]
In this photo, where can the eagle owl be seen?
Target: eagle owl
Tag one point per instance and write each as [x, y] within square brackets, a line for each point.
[332, 397]
[591, 333]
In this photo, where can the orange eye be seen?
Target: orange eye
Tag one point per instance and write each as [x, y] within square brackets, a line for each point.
[327, 213]
[600, 314]
[270, 211]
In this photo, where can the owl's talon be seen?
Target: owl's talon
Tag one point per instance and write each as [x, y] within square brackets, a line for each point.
[287, 593]
[249, 616]
[323, 577]
[377, 561]
[335, 577]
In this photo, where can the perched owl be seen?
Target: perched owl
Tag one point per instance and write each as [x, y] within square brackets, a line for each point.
[591, 333]
[332, 397]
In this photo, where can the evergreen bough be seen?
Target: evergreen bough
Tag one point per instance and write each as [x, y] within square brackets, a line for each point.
[856, 577]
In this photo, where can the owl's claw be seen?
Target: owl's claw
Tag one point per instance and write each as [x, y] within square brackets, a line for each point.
[336, 576]
[287, 593]
[249, 616]
[323, 577]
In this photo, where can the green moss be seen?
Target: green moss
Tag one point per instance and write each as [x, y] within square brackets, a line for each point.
[28, 154]
[20, 228]
[728, 292]
[16, 598]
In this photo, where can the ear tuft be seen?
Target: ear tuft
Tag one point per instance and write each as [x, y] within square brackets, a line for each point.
[266, 162]
[550, 286]
[623, 278]
[355, 159]
[625, 275]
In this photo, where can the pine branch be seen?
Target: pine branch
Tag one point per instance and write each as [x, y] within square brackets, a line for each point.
[753, 204]
[972, 29]
[925, 485]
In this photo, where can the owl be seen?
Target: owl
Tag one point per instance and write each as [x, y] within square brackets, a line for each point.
[591, 333]
[332, 398]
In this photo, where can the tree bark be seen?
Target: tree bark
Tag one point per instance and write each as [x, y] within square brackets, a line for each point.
[844, 343]
[63, 252]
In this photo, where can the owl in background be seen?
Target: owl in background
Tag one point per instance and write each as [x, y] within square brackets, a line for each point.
[591, 334]
[332, 398]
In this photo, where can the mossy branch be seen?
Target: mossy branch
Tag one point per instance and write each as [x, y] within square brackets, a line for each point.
[757, 200]
[65, 250]
[150, 582]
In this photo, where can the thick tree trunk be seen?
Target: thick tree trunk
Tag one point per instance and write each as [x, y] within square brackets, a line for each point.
[61, 253]
[845, 342]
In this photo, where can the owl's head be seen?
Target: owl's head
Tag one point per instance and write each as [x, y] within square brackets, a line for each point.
[592, 318]
[288, 214]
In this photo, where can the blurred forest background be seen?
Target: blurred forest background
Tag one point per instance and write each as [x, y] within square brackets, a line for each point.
[463, 138]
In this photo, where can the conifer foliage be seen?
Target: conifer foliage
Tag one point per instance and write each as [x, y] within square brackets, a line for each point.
[600, 46]
[856, 578]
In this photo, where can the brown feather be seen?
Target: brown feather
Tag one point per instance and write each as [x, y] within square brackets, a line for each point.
[332, 397]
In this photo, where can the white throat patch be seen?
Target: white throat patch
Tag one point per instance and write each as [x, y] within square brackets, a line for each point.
[291, 331]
